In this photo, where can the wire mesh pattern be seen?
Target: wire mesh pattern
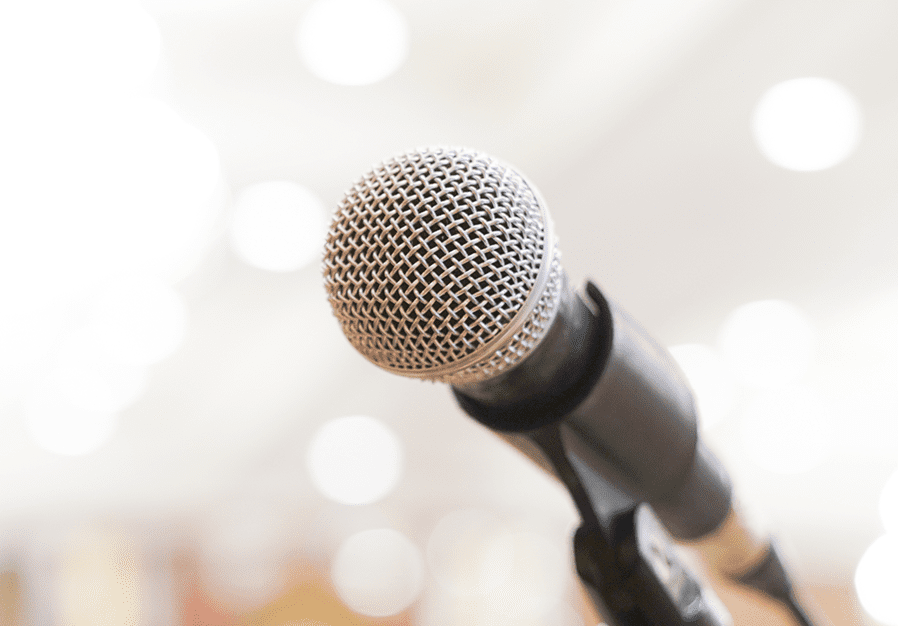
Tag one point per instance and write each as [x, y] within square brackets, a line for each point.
[439, 264]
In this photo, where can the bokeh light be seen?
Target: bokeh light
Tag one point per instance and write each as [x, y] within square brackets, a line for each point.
[767, 343]
[711, 382]
[245, 552]
[138, 322]
[57, 426]
[97, 179]
[807, 124]
[99, 368]
[278, 226]
[82, 373]
[355, 460]
[490, 574]
[787, 431]
[89, 45]
[378, 572]
[96, 192]
[527, 575]
[888, 504]
[28, 333]
[104, 389]
[457, 551]
[105, 187]
[876, 580]
[352, 42]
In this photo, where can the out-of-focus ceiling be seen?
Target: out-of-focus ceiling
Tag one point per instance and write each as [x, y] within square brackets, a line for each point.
[633, 118]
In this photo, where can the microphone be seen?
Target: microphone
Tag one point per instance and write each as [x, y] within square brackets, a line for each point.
[441, 264]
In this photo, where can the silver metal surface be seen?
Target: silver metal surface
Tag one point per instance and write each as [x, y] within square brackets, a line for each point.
[441, 264]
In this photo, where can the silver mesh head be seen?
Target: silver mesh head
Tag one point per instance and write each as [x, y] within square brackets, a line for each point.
[441, 264]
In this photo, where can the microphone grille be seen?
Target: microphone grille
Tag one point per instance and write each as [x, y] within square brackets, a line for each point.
[441, 264]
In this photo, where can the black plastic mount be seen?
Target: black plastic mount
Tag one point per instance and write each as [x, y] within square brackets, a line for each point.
[624, 557]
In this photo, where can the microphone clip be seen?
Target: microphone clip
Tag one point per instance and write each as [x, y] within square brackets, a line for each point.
[623, 555]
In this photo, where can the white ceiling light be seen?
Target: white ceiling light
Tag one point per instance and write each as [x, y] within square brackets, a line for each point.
[138, 322]
[457, 551]
[529, 575]
[57, 426]
[28, 332]
[876, 580]
[767, 343]
[100, 387]
[97, 181]
[90, 45]
[244, 555]
[787, 431]
[807, 124]
[355, 460]
[378, 572]
[278, 226]
[352, 42]
[494, 576]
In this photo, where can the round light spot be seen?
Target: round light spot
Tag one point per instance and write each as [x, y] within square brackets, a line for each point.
[807, 124]
[99, 181]
[876, 580]
[244, 555]
[355, 460]
[58, 427]
[526, 575]
[378, 572]
[457, 551]
[103, 389]
[138, 323]
[105, 187]
[86, 379]
[352, 42]
[278, 226]
[712, 385]
[787, 431]
[95, 191]
[888, 504]
[27, 336]
[767, 343]
[58, 45]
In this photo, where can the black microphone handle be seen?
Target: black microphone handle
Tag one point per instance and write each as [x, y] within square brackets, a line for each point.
[622, 406]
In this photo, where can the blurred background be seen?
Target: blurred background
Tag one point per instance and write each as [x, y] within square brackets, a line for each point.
[187, 438]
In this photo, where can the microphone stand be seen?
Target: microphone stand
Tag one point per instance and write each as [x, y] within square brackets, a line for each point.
[625, 558]
[627, 562]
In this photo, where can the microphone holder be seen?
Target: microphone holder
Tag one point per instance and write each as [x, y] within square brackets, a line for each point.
[627, 561]
[625, 558]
